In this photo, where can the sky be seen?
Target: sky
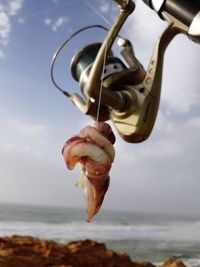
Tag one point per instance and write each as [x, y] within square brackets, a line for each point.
[161, 174]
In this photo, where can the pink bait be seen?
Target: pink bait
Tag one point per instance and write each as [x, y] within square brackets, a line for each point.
[93, 150]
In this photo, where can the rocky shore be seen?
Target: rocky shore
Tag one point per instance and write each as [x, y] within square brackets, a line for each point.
[26, 251]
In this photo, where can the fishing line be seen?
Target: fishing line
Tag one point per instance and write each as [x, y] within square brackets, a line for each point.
[97, 12]
[56, 54]
[103, 68]
[46, 11]
[101, 85]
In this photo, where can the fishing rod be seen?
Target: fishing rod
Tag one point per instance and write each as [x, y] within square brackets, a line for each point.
[130, 95]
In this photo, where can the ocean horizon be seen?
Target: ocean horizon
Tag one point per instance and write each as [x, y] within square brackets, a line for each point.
[144, 236]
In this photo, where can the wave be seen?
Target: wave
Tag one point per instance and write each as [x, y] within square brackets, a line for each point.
[155, 242]
[195, 262]
[173, 231]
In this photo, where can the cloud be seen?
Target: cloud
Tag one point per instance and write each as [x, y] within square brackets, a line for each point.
[107, 8]
[104, 7]
[6, 12]
[181, 80]
[33, 171]
[55, 1]
[21, 137]
[195, 122]
[14, 6]
[47, 21]
[162, 173]
[56, 24]
[5, 27]
[27, 129]
[59, 23]
[169, 140]
[2, 55]
[27, 177]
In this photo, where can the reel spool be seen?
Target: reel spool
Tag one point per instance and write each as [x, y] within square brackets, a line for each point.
[83, 60]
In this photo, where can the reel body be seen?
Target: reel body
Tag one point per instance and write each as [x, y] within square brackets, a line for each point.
[123, 91]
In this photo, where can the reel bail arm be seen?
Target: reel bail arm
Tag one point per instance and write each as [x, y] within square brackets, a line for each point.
[114, 100]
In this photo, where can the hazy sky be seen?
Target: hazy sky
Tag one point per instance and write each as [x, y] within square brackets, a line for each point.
[161, 174]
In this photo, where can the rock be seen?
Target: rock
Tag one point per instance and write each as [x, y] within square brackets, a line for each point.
[26, 251]
[173, 263]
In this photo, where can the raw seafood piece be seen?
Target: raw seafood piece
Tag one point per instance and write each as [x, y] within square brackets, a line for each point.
[93, 150]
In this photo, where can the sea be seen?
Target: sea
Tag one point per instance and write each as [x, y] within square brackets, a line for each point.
[144, 236]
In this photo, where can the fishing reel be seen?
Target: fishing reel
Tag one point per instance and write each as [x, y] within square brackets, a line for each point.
[184, 13]
[123, 91]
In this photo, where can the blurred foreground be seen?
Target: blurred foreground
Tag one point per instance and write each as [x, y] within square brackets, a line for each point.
[26, 251]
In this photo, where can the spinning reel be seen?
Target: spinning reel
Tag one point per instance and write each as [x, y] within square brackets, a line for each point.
[129, 95]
